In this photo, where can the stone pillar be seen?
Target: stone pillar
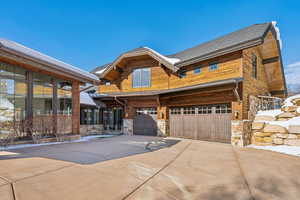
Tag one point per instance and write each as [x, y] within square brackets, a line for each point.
[128, 126]
[241, 132]
[75, 108]
[162, 120]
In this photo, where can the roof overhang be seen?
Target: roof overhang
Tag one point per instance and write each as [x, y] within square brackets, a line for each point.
[168, 62]
[26, 56]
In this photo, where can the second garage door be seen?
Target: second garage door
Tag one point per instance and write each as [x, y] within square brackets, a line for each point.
[205, 122]
[144, 122]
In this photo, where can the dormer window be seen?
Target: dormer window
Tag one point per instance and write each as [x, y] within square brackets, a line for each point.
[141, 78]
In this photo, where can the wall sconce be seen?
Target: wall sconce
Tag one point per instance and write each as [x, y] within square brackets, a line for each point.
[236, 114]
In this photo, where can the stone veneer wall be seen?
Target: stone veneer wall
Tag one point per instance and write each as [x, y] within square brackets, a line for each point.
[240, 132]
[162, 127]
[128, 126]
[91, 129]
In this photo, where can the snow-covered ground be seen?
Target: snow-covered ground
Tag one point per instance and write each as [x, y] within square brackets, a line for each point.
[290, 150]
[82, 139]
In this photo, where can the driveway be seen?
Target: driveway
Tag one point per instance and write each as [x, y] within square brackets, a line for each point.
[187, 169]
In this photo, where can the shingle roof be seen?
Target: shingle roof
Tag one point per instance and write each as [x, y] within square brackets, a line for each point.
[247, 34]
[33, 54]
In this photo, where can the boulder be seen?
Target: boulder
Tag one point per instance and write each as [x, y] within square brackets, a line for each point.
[278, 141]
[257, 125]
[296, 102]
[286, 115]
[283, 119]
[268, 139]
[289, 108]
[280, 135]
[264, 118]
[294, 129]
[262, 134]
[272, 128]
[292, 142]
[258, 139]
[292, 136]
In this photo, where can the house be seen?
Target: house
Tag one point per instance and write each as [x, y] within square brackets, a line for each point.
[197, 93]
[34, 85]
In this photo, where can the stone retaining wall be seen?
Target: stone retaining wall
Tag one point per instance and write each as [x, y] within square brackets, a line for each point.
[282, 127]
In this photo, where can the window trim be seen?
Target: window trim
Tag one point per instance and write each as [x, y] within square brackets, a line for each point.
[140, 85]
[213, 64]
[197, 73]
[254, 65]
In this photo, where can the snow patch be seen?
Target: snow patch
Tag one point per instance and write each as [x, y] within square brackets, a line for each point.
[82, 139]
[100, 71]
[290, 150]
[274, 23]
[272, 113]
[86, 99]
[168, 59]
[288, 101]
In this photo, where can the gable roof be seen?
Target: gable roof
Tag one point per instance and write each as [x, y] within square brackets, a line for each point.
[51, 63]
[241, 39]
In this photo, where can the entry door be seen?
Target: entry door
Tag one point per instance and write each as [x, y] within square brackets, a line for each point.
[208, 122]
[144, 122]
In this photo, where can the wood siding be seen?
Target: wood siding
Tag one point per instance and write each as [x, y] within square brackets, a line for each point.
[162, 78]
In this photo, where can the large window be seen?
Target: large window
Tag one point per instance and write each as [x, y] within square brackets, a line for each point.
[254, 66]
[64, 94]
[141, 78]
[12, 93]
[42, 95]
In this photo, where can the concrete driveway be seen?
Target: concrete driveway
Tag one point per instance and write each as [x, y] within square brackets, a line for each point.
[188, 169]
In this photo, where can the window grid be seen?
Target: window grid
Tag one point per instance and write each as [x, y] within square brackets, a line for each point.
[204, 109]
[141, 78]
[189, 110]
[224, 108]
[175, 111]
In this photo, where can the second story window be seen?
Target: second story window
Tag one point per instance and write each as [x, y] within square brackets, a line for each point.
[107, 83]
[254, 66]
[197, 70]
[213, 66]
[182, 74]
[141, 78]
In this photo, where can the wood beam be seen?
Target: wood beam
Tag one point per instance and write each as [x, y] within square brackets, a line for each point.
[270, 60]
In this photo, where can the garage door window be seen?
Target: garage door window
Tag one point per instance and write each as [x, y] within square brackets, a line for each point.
[225, 108]
[204, 109]
[189, 110]
[175, 111]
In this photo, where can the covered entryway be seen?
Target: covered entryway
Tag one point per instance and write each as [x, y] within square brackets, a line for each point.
[144, 122]
[205, 122]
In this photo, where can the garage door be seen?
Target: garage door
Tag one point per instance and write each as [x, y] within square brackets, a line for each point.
[205, 122]
[144, 122]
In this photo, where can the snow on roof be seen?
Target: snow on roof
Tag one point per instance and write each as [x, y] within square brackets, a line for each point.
[86, 99]
[40, 56]
[100, 71]
[274, 23]
[168, 59]
[289, 100]
[272, 113]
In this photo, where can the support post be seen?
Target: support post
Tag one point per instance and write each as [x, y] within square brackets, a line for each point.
[75, 108]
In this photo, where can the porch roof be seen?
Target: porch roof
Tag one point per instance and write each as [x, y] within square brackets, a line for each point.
[158, 92]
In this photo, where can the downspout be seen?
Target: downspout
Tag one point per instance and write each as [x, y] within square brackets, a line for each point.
[236, 93]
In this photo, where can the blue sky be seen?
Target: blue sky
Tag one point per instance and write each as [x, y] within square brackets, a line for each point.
[91, 33]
